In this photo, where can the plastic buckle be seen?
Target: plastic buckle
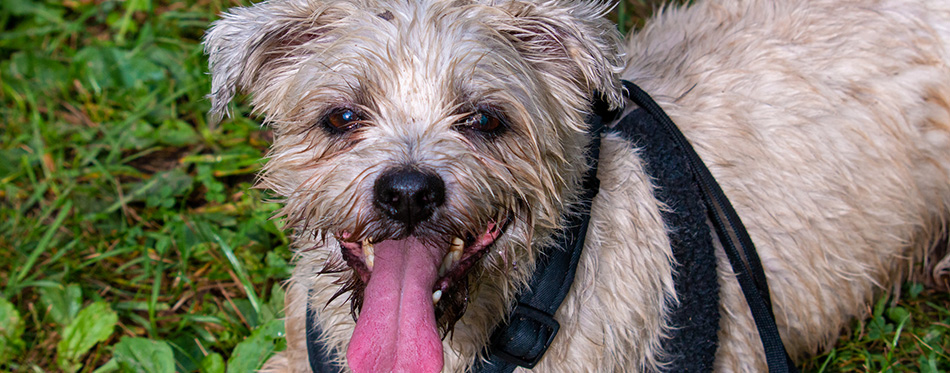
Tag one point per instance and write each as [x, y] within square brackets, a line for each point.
[527, 336]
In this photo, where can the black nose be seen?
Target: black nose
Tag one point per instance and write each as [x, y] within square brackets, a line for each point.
[408, 195]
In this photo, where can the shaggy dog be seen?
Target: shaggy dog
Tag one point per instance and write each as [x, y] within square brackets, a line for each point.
[426, 151]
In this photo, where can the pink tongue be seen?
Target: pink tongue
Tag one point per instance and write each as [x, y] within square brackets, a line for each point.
[396, 330]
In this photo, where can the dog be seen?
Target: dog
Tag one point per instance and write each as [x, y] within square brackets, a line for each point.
[427, 151]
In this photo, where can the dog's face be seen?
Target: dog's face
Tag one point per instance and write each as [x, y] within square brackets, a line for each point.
[435, 144]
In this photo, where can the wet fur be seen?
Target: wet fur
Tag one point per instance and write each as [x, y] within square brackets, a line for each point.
[826, 122]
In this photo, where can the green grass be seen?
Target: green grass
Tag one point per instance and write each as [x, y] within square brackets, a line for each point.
[116, 193]
[130, 236]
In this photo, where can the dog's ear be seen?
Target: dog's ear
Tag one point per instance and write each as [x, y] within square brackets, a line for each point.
[247, 41]
[571, 39]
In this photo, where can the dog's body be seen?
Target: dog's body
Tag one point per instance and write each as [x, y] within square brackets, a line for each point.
[826, 122]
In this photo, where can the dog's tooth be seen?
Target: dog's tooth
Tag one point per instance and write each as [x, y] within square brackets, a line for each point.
[436, 296]
[368, 248]
[446, 264]
[449, 261]
[369, 254]
[457, 245]
[454, 254]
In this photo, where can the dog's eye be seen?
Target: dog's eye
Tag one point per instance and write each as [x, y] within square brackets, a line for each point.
[341, 120]
[484, 122]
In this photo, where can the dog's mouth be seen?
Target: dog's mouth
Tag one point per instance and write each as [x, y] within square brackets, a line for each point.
[413, 288]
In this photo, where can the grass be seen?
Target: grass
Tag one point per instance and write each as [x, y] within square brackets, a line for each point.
[130, 236]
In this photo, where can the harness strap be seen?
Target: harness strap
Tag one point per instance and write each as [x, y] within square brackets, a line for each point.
[734, 238]
[319, 353]
[531, 327]
[694, 318]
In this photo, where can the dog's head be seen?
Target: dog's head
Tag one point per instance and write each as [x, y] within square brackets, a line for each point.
[439, 142]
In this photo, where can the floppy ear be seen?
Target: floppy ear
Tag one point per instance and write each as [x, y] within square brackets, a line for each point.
[249, 40]
[573, 40]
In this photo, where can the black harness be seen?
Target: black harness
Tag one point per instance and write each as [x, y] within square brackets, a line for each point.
[685, 185]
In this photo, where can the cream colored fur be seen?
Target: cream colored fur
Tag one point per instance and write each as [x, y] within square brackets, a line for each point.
[826, 122]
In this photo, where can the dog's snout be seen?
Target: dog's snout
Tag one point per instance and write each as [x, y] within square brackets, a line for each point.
[408, 195]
